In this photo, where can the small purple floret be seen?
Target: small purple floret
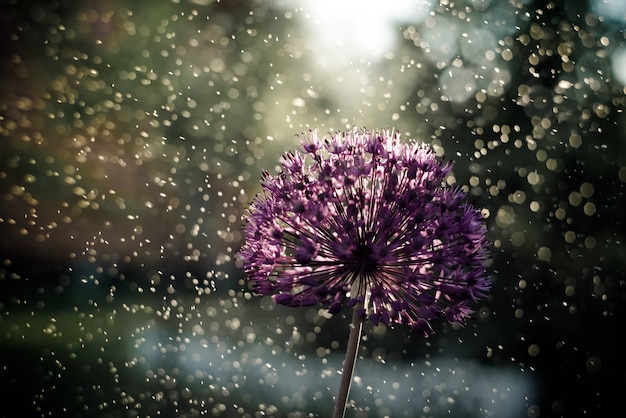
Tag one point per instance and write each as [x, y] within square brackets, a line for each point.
[363, 217]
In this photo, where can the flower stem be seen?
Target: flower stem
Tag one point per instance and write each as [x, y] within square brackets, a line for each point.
[349, 361]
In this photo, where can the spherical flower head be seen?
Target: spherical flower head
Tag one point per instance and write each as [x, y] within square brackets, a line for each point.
[361, 217]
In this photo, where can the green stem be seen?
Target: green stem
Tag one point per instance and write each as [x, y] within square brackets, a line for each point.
[348, 363]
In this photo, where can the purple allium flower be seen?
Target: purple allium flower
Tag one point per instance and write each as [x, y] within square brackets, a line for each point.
[363, 217]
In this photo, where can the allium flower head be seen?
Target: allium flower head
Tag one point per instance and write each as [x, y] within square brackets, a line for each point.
[361, 217]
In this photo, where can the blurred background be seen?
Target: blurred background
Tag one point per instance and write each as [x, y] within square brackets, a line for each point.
[133, 135]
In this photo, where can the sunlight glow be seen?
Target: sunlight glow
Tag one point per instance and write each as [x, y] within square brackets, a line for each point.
[360, 28]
